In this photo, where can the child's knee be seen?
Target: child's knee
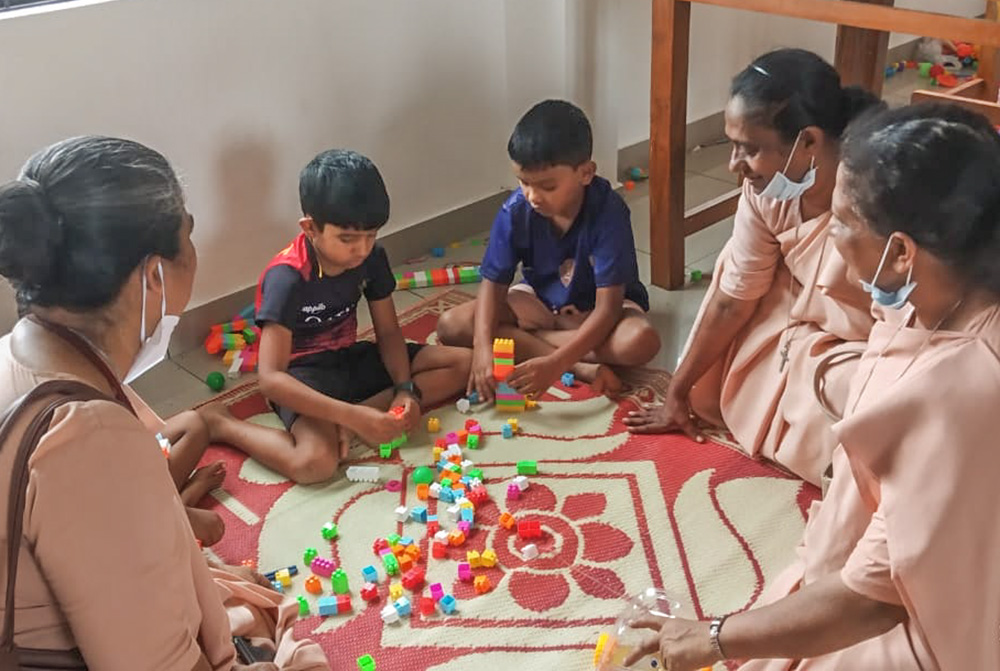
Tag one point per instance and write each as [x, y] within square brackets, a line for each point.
[312, 466]
[454, 328]
[188, 425]
[642, 345]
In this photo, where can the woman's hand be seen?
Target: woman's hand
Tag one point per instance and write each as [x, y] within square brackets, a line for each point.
[250, 575]
[673, 415]
[683, 645]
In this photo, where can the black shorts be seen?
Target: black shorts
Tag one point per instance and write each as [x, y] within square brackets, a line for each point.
[351, 374]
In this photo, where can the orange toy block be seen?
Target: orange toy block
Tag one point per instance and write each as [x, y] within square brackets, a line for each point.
[423, 491]
[482, 584]
[507, 521]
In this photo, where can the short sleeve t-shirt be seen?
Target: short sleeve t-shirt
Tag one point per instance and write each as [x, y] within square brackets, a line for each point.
[597, 251]
[321, 312]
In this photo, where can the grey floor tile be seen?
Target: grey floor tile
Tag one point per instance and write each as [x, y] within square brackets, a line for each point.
[169, 388]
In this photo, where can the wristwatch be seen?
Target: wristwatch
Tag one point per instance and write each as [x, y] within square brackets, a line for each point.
[411, 388]
[714, 629]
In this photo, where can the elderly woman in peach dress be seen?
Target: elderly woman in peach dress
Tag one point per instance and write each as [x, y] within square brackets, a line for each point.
[779, 303]
[900, 567]
[96, 240]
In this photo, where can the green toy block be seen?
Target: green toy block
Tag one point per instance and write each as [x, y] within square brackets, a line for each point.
[303, 606]
[454, 468]
[393, 539]
[696, 276]
[385, 450]
[366, 663]
[339, 579]
[329, 531]
[249, 335]
[391, 564]
[472, 442]
[527, 468]
[309, 555]
[476, 473]
[446, 483]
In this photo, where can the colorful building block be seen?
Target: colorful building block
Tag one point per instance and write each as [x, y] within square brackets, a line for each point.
[379, 545]
[329, 531]
[513, 493]
[313, 585]
[482, 584]
[513, 425]
[433, 425]
[439, 550]
[414, 579]
[489, 558]
[474, 559]
[344, 604]
[363, 473]
[508, 399]
[503, 358]
[393, 538]
[506, 431]
[405, 562]
[369, 592]
[521, 482]
[322, 567]
[529, 552]
[472, 442]
[340, 583]
[438, 277]
[456, 537]
[529, 529]
[478, 495]
[464, 527]
[423, 491]
[303, 605]
[403, 607]
[476, 474]
[401, 512]
[419, 514]
[427, 605]
[437, 591]
[432, 525]
[391, 564]
[473, 397]
[366, 663]
[389, 614]
[468, 515]
[463, 405]
[369, 574]
[527, 468]
[447, 604]
[327, 605]
[507, 521]
[395, 591]
[284, 577]
[278, 587]
[464, 572]
[568, 379]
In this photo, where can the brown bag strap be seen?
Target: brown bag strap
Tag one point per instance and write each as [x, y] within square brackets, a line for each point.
[49, 396]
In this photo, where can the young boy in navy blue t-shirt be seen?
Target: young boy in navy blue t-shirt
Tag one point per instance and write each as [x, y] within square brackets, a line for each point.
[581, 306]
[324, 384]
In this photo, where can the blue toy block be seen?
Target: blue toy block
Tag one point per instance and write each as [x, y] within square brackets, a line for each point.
[447, 495]
[468, 515]
[369, 574]
[474, 397]
[402, 606]
[507, 431]
[432, 518]
[447, 603]
[278, 587]
[406, 541]
[437, 252]
[443, 464]
[568, 379]
[327, 605]
[504, 388]
[419, 514]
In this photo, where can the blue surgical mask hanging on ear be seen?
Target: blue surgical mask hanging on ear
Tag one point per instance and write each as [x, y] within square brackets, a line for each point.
[782, 188]
[890, 299]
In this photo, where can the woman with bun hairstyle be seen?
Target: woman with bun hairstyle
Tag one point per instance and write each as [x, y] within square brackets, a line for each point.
[95, 239]
[779, 302]
[900, 568]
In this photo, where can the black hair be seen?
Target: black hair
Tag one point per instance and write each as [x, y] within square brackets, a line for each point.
[553, 132]
[82, 216]
[931, 171]
[789, 89]
[344, 188]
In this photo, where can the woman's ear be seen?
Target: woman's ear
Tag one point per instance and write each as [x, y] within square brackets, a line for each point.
[903, 253]
[812, 139]
[151, 270]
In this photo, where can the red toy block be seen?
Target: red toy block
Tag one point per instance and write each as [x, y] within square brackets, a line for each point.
[463, 437]
[379, 545]
[507, 521]
[398, 411]
[414, 579]
[433, 527]
[478, 495]
[344, 603]
[469, 423]
[427, 605]
[439, 550]
[442, 443]
[529, 529]
[369, 592]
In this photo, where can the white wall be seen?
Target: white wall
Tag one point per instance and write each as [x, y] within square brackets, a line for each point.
[723, 41]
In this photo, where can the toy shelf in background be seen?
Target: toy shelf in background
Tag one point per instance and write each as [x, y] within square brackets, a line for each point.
[438, 277]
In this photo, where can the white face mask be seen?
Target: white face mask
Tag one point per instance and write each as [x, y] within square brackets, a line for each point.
[782, 188]
[153, 350]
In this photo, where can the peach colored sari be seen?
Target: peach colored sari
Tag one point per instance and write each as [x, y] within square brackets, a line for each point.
[805, 303]
[911, 514]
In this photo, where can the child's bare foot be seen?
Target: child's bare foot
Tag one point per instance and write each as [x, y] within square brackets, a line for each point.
[606, 382]
[208, 527]
[214, 415]
[202, 481]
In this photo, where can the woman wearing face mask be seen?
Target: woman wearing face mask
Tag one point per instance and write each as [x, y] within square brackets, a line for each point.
[779, 301]
[901, 566]
[96, 241]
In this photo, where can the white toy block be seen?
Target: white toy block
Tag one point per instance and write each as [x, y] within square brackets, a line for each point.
[234, 370]
[435, 490]
[390, 615]
[463, 405]
[401, 514]
[454, 512]
[529, 552]
[521, 482]
[363, 473]
[441, 536]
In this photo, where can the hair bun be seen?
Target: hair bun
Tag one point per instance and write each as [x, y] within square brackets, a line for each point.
[29, 234]
[857, 101]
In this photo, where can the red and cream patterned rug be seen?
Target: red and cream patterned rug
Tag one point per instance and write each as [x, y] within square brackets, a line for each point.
[619, 513]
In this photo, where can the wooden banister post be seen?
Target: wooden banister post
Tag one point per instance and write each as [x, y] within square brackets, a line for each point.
[861, 54]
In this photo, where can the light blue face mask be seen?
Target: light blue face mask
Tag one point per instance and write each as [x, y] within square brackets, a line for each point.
[781, 188]
[890, 299]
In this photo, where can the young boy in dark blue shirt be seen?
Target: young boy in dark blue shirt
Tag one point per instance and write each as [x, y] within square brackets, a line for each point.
[581, 304]
[324, 384]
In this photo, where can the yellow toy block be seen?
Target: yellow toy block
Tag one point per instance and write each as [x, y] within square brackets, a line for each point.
[488, 559]
[475, 561]
[395, 590]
